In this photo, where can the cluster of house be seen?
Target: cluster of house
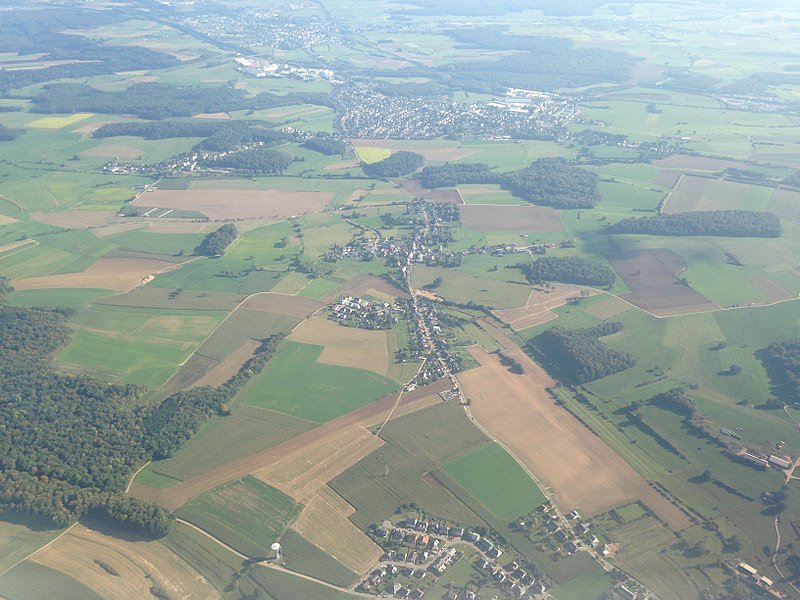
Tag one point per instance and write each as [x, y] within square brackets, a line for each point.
[358, 312]
[583, 530]
[760, 581]
[512, 576]
[253, 67]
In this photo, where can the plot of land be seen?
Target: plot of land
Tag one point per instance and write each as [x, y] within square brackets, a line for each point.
[114, 150]
[227, 368]
[324, 523]
[539, 307]
[59, 122]
[707, 193]
[139, 565]
[651, 275]
[372, 154]
[246, 514]
[74, 219]
[221, 204]
[696, 163]
[301, 473]
[283, 304]
[428, 151]
[608, 308]
[119, 274]
[345, 346]
[441, 195]
[578, 466]
[525, 219]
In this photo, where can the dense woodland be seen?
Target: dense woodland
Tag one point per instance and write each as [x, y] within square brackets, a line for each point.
[570, 269]
[161, 100]
[577, 355]
[7, 134]
[326, 143]
[783, 360]
[733, 223]
[398, 164]
[254, 161]
[547, 181]
[216, 242]
[69, 445]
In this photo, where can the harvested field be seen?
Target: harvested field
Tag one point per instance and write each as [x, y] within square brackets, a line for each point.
[92, 127]
[153, 297]
[361, 286]
[345, 346]
[708, 193]
[59, 122]
[230, 366]
[440, 195]
[319, 437]
[105, 231]
[556, 447]
[340, 166]
[6, 220]
[14, 245]
[539, 307]
[118, 274]
[282, 304]
[651, 275]
[139, 564]
[75, 219]
[301, 473]
[427, 151]
[216, 115]
[114, 150]
[608, 308]
[666, 178]
[785, 204]
[221, 204]
[324, 523]
[180, 226]
[525, 219]
[697, 163]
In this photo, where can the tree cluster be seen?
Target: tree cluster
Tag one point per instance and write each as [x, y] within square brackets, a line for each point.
[254, 161]
[326, 143]
[570, 269]
[398, 164]
[577, 355]
[7, 133]
[783, 359]
[216, 242]
[733, 223]
[547, 181]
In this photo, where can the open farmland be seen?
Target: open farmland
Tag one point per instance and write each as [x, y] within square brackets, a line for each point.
[435, 151]
[74, 219]
[221, 203]
[708, 193]
[518, 411]
[324, 522]
[59, 122]
[495, 479]
[651, 275]
[539, 307]
[372, 154]
[524, 219]
[246, 514]
[118, 274]
[138, 564]
[345, 346]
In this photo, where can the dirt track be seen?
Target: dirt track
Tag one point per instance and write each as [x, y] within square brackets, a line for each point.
[366, 416]
[577, 465]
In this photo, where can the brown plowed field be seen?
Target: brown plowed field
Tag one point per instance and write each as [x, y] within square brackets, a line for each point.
[301, 473]
[140, 565]
[525, 219]
[345, 346]
[577, 465]
[651, 275]
[324, 523]
[118, 274]
[539, 307]
[365, 417]
[220, 204]
[74, 219]
[294, 306]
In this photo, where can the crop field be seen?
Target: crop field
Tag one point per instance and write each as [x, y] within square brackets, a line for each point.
[324, 522]
[433, 151]
[138, 565]
[116, 274]
[302, 556]
[495, 479]
[467, 284]
[345, 346]
[50, 583]
[524, 219]
[539, 307]
[153, 297]
[704, 193]
[651, 275]
[291, 306]
[398, 472]
[519, 412]
[296, 384]
[59, 122]
[246, 514]
[371, 154]
[439, 195]
[18, 540]
[74, 219]
[228, 203]
[489, 194]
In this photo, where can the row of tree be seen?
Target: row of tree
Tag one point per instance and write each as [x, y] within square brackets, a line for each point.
[398, 164]
[547, 181]
[734, 223]
[577, 355]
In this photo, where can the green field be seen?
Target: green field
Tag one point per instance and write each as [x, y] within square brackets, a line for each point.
[245, 514]
[496, 480]
[16, 584]
[304, 557]
[294, 383]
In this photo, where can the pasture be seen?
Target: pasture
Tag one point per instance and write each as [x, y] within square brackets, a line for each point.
[246, 514]
[296, 384]
[522, 219]
[495, 479]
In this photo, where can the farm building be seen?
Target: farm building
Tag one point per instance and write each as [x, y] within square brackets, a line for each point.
[779, 462]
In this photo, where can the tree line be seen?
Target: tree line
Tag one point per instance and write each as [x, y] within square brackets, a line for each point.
[733, 223]
[547, 181]
[569, 269]
[216, 242]
[398, 164]
[577, 355]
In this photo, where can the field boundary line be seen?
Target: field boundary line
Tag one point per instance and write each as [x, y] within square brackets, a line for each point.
[139, 470]
[669, 194]
[21, 248]
[35, 552]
